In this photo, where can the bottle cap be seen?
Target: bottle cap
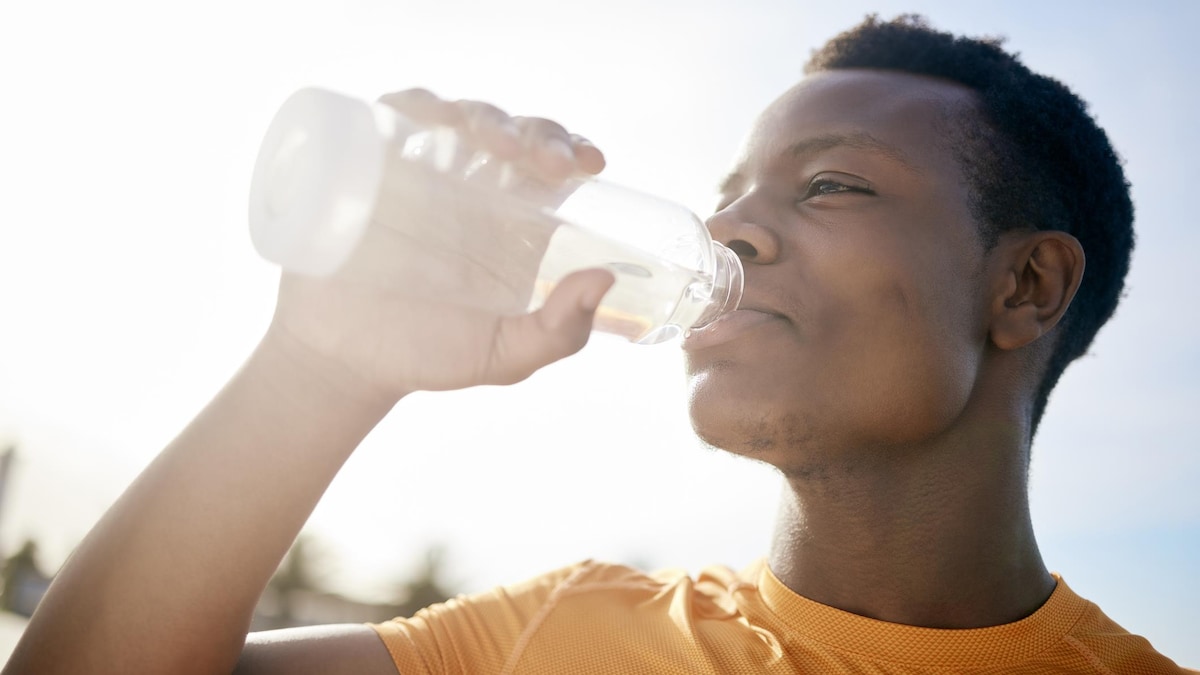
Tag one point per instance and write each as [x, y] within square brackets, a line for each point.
[315, 181]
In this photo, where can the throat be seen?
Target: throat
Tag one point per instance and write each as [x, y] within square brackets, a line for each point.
[933, 548]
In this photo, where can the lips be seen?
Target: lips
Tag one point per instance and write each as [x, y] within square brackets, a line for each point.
[727, 328]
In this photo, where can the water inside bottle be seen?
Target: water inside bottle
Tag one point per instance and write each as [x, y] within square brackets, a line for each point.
[652, 300]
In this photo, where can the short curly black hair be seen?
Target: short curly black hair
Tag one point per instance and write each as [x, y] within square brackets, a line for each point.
[1033, 157]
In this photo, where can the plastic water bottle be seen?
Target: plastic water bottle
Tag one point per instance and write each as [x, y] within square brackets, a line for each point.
[332, 170]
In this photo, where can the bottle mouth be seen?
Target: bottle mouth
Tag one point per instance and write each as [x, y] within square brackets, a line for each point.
[727, 286]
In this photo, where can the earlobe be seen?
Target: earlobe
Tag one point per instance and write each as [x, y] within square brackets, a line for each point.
[1040, 274]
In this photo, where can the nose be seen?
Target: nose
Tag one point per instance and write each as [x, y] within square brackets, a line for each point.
[752, 241]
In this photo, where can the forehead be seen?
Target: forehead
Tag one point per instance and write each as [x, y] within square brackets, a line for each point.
[891, 113]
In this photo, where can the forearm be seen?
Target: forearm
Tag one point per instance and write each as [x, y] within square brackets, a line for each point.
[168, 580]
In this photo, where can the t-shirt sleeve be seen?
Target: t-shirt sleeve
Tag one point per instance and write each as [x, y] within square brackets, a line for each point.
[472, 634]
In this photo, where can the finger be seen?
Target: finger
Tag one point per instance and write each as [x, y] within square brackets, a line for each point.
[543, 167]
[490, 129]
[557, 330]
[588, 157]
[424, 107]
[473, 123]
[549, 154]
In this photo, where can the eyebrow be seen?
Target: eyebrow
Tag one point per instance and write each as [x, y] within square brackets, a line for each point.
[811, 146]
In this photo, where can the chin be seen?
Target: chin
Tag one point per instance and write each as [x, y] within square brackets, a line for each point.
[747, 421]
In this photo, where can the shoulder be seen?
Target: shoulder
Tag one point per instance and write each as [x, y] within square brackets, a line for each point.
[1099, 640]
[597, 583]
[551, 620]
[583, 586]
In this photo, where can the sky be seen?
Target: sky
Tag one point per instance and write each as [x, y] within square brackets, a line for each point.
[129, 290]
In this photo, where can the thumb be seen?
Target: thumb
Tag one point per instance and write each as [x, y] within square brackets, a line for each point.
[557, 330]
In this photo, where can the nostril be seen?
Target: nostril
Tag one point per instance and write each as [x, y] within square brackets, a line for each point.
[743, 249]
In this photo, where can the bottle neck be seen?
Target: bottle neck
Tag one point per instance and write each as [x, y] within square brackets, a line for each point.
[727, 285]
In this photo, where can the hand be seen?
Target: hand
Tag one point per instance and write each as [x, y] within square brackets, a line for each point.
[403, 314]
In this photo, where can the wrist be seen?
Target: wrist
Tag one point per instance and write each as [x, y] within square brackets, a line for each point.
[298, 371]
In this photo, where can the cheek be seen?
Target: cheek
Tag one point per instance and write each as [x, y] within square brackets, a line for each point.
[895, 347]
[915, 391]
[883, 352]
[917, 354]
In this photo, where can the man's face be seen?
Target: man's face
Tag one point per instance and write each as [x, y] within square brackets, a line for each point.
[863, 322]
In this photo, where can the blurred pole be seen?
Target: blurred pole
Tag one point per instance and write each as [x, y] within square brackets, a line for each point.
[5, 462]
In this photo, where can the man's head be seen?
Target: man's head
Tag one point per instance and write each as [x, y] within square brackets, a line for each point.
[1032, 153]
[910, 216]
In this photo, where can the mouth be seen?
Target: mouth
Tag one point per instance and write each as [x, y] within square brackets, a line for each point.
[727, 328]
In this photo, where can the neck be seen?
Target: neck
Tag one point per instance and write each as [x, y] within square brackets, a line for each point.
[938, 536]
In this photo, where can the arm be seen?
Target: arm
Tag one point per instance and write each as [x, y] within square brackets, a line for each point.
[168, 579]
[345, 649]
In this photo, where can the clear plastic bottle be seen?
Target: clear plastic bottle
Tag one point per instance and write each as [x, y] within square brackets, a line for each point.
[331, 167]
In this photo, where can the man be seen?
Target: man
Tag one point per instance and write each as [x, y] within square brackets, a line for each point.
[914, 219]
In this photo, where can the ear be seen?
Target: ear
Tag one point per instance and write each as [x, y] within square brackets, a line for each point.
[1039, 274]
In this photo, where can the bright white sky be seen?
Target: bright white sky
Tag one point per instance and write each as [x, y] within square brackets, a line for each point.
[129, 290]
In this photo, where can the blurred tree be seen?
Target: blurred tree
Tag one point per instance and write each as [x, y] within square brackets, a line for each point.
[296, 594]
[24, 581]
[427, 586]
[296, 574]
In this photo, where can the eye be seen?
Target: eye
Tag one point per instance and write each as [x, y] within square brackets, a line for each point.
[829, 184]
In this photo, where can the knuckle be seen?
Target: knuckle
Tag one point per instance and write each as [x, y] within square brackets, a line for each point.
[480, 108]
[542, 126]
[479, 114]
[414, 95]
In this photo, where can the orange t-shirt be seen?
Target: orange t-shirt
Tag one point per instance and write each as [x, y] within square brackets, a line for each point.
[598, 618]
